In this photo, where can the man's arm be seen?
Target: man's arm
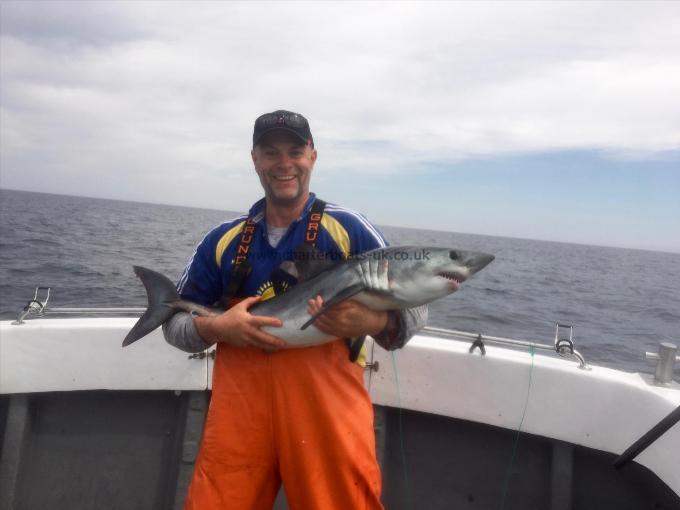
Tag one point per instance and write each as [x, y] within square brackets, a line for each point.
[200, 282]
[401, 326]
[235, 326]
[351, 319]
[238, 327]
[180, 331]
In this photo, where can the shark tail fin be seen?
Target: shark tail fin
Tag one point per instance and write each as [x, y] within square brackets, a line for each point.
[162, 297]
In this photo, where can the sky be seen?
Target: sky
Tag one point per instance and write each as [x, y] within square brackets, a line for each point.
[540, 120]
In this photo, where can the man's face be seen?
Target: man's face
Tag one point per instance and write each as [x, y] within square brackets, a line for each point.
[284, 165]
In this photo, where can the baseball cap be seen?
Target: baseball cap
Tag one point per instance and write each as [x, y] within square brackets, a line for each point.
[285, 121]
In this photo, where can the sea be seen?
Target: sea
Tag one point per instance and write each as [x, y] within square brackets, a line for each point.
[621, 302]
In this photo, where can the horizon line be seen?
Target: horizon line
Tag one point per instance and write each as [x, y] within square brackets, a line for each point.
[501, 236]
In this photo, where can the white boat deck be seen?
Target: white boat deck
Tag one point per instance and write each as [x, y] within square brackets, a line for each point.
[600, 408]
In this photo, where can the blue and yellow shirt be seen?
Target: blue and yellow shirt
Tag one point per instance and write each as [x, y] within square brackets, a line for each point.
[343, 233]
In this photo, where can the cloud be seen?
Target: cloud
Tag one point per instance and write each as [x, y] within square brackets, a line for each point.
[134, 93]
[73, 23]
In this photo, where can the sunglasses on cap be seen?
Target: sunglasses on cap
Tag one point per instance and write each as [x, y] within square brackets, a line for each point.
[281, 119]
[284, 120]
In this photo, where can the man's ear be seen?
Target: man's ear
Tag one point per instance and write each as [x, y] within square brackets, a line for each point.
[252, 155]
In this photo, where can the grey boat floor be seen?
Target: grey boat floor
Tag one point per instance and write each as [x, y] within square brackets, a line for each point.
[135, 450]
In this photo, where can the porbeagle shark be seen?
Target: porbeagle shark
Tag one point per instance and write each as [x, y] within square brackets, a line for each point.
[389, 278]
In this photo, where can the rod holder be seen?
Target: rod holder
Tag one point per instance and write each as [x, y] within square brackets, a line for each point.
[665, 358]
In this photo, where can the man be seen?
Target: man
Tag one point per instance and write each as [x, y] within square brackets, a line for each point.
[297, 416]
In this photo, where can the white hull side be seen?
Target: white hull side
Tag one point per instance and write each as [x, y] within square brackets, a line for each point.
[601, 408]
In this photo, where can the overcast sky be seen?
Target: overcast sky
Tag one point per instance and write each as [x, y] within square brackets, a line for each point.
[555, 121]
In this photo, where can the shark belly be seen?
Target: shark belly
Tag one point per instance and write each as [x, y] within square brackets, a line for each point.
[378, 302]
[291, 333]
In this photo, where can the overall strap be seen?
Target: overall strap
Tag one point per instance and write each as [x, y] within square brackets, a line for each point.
[242, 267]
[279, 278]
[315, 215]
[355, 345]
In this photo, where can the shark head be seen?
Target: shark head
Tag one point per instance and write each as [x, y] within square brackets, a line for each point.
[419, 275]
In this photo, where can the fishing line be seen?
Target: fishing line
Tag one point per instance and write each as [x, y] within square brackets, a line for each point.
[519, 429]
[401, 434]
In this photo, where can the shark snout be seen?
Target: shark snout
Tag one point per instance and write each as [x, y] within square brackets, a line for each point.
[472, 260]
[476, 261]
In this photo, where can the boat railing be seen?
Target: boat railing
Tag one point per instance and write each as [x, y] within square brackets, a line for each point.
[38, 307]
[665, 362]
[562, 345]
[479, 340]
[103, 311]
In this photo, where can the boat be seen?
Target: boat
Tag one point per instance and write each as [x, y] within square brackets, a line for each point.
[462, 420]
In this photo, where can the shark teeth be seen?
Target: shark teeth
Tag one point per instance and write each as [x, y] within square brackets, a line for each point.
[452, 277]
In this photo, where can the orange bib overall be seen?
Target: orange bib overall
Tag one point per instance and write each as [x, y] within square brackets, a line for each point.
[297, 416]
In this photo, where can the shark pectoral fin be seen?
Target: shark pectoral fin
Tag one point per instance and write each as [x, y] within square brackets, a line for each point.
[339, 297]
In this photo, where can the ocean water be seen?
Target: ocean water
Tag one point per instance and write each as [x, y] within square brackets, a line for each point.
[621, 302]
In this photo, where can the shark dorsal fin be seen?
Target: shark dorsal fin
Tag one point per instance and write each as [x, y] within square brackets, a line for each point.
[288, 267]
[310, 262]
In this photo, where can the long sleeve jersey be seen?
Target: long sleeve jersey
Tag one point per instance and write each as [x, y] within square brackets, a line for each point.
[343, 233]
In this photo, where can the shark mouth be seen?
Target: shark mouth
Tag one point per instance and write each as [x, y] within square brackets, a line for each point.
[452, 277]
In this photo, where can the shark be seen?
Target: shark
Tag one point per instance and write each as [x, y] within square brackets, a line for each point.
[390, 278]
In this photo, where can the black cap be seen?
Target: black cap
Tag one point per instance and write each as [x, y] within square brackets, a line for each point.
[282, 120]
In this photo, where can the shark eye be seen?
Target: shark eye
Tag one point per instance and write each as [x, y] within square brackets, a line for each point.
[455, 255]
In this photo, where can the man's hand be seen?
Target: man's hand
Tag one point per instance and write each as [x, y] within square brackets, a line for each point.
[238, 327]
[348, 319]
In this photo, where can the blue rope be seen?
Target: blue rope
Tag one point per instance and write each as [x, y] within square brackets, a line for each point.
[519, 429]
[401, 434]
